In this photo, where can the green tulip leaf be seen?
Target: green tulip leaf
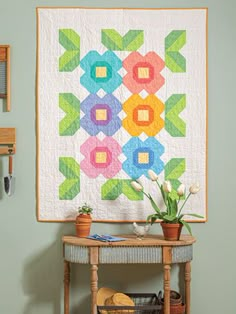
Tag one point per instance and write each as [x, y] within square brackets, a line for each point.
[154, 205]
[172, 206]
[194, 215]
[169, 218]
[180, 217]
[186, 225]
[153, 218]
[164, 195]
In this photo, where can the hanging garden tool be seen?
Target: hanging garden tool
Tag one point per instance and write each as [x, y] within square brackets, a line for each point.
[9, 181]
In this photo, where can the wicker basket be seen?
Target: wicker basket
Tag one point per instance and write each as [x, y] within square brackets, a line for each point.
[176, 309]
[176, 305]
[144, 304]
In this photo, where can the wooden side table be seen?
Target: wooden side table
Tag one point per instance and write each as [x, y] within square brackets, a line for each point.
[152, 250]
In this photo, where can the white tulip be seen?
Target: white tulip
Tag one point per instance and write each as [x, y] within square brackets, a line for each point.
[181, 190]
[152, 175]
[167, 186]
[138, 187]
[194, 188]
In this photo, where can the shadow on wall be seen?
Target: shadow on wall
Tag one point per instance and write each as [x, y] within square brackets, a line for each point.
[43, 277]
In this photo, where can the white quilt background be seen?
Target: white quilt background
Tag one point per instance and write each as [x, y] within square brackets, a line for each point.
[88, 23]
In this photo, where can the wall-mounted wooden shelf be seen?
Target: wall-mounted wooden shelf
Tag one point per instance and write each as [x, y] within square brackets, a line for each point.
[7, 141]
[5, 75]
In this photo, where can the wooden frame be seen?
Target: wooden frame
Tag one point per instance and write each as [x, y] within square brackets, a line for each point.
[5, 59]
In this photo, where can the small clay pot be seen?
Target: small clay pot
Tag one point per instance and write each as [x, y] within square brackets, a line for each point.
[83, 225]
[171, 231]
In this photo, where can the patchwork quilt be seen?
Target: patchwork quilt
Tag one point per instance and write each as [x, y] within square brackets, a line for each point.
[119, 92]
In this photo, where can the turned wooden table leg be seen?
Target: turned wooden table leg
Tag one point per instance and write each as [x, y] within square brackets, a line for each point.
[94, 278]
[66, 287]
[167, 289]
[187, 286]
[94, 288]
[167, 260]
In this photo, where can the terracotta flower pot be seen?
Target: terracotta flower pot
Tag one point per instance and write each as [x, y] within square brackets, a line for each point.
[171, 232]
[83, 225]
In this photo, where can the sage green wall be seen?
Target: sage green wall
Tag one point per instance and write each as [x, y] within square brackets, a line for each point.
[31, 263]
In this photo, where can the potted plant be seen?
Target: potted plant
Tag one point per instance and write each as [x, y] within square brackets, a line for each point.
[172, 218]
[83, 220]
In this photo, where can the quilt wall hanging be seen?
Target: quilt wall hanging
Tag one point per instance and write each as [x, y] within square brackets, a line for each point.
[119, 92]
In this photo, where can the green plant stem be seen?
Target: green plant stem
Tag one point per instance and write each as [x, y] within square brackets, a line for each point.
[183, 204]
[161, 193]
[146, 194]
[158, 185]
